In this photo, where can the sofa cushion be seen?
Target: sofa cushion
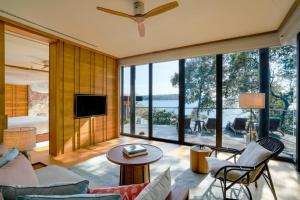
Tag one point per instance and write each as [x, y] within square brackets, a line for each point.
[157, 189]
[11, 192]
[72, 197]
[18, 172]
[8, 156]
[215, 165]
[3, 149]
[127, 192]
[54, 174]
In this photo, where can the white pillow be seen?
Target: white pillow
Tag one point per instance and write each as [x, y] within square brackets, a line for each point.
[253, 155]
[157, 189]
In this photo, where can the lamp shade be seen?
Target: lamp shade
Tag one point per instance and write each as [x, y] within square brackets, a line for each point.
[252, 100]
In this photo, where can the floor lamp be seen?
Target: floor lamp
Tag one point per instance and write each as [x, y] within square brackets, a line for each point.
[252, 101]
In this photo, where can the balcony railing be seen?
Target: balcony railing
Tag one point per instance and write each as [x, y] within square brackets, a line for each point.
[165, 125]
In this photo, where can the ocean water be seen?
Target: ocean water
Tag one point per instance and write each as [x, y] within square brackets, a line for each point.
[172, 106]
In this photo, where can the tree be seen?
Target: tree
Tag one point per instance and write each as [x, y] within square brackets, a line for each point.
[200, 82]
[283, 82]
[241, 74]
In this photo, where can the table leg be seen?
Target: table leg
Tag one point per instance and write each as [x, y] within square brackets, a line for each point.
[134, 174]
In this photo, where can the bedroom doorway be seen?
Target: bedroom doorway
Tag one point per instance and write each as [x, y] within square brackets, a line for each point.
[27, 84]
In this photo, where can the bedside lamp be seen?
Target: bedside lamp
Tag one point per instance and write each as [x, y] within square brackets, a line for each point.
[252, 101]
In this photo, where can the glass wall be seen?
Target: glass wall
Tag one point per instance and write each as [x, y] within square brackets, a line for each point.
[165, 100]
[283, 97]
[126, 100]
[141, 100]
[200, 100]
[240, 75]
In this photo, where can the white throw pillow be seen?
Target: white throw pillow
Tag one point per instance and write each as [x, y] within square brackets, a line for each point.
[253, 155]
[158, 189]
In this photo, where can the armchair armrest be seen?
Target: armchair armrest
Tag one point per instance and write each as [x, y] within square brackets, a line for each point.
[178, 193]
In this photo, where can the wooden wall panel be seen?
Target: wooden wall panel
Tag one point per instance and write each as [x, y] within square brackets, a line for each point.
[16, 100]
[9, 100]
[3, 121]
[85, 88]
[21, 100]
[99, 128]
[112, 105]
[80, 71]
[68, 81]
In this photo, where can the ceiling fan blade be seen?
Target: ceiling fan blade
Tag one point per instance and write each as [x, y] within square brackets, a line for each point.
[141, 28]
[115, 12]
[161, 9]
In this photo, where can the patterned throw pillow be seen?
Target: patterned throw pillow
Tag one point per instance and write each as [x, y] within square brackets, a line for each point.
[128, 192]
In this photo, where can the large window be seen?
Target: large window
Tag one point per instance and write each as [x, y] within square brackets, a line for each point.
[126, 100]
[151, 99]
[283, 97]
[240, 75]
[165, 100]
[141, 100]
[200, 100]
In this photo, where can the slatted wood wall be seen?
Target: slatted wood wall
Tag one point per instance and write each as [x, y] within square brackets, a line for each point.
[2, 82]
[74, 70]
[16, 100]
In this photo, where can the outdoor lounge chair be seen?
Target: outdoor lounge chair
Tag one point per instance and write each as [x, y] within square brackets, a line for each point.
[251, 165]
[187, 126]
[275, 125]
[210, 125]
[238, 126]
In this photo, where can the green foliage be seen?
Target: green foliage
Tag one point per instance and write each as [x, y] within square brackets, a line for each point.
[241, 74]
[163, 117]
[200, 82]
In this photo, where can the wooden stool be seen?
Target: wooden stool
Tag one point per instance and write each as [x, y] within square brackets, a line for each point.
[197, 158]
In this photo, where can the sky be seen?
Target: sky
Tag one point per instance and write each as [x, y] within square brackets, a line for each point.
[162, 73]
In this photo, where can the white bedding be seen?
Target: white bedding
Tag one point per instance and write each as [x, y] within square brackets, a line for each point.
[40, 123]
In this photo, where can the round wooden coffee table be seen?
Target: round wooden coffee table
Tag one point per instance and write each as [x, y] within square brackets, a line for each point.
[134, 170]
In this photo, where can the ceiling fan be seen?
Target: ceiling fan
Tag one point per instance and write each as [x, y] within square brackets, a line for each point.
[44, 64]
[139, 14]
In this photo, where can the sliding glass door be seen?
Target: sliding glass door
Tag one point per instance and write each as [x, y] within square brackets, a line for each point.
[151, 99]
[165, 100]
[200, 100]
[141, 100]
[283, 98]
[240, 75]
[125, 103]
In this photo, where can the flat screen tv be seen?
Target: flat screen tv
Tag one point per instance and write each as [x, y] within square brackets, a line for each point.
[87, 105]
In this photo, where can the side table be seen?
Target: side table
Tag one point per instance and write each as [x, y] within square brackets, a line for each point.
[198, 162]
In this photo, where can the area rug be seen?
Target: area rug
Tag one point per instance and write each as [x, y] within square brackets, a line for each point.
[102, 173]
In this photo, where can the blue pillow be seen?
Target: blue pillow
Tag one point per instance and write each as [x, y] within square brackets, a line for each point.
[11, 192]
[10, 155]
[72, 197]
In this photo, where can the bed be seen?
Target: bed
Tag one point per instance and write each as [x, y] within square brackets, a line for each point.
[41, 123]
